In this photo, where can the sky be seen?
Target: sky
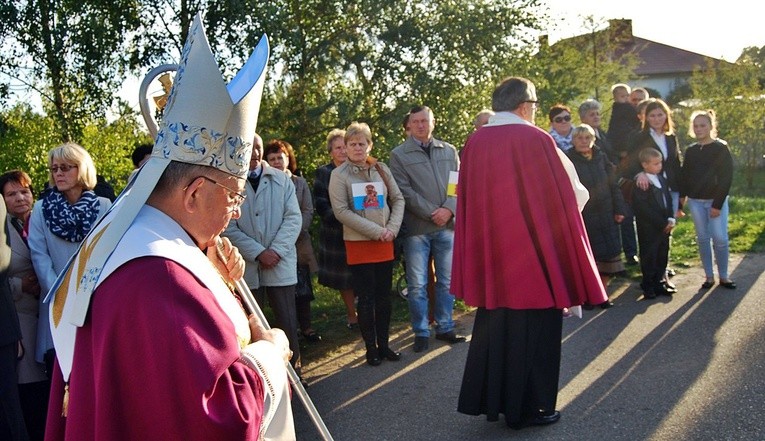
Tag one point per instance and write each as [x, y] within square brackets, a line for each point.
[720, 29]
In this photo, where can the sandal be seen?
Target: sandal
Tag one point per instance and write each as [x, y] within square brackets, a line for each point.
[707, 284]
[730, 284]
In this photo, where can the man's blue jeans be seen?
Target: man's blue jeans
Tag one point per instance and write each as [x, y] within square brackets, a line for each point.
[417, 251]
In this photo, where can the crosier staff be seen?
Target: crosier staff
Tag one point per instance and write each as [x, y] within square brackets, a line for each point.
[252, 307]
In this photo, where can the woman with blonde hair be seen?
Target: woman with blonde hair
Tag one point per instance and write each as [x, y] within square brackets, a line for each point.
[368, 233]
[705, 180]
[61, 219]
[658, 132]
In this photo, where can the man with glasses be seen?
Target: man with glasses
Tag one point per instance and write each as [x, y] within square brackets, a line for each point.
[151, 340]
[521, 256]
[265, 234]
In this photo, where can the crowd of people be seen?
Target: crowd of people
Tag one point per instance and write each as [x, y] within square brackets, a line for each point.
[633, 172]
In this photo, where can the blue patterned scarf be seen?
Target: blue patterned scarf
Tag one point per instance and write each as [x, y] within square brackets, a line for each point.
[70, 222]
[563, 142]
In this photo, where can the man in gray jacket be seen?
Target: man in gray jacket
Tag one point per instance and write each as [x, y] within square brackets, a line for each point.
[421, 167]
[265, 234]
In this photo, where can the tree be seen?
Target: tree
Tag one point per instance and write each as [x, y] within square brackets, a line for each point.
[24, 145]
[754, 56]
[736, 95]
[29, 136]
[71, 52]
[336, 61]
[581, 67]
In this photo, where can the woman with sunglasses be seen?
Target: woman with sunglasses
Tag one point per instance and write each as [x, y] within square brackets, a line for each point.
[61, 219]
[560, 126]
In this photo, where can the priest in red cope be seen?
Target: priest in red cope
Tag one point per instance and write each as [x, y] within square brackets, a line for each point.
[521, 255]
[151, 343]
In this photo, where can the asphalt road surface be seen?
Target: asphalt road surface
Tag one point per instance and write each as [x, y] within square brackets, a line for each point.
[687, 367]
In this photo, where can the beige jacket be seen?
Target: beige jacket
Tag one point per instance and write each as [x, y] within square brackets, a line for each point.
[368, 223]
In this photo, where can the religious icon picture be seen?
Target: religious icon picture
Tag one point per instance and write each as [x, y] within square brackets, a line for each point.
[368, 195]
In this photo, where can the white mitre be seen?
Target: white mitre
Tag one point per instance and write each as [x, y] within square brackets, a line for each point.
[205, 122]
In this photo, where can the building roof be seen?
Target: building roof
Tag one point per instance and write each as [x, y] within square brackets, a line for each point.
[661, 59]
[655, 59]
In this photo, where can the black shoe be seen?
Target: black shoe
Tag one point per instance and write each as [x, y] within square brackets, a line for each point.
[607, 304]
[420, 344]
[373, 357]
[450, 337]
[633, 260]
[671, 272]
[545, 418]
[669, 286]
[730, 284]
[312, 336]
[389, 354]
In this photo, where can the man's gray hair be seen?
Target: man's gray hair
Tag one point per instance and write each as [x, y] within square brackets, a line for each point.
[178, 174]
[511, 93]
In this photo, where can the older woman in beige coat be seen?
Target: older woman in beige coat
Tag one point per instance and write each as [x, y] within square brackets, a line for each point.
[368, 231]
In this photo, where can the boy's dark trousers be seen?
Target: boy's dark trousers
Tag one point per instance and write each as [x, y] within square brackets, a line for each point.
[654, 254]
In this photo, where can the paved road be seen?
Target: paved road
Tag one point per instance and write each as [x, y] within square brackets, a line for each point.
[690, 367]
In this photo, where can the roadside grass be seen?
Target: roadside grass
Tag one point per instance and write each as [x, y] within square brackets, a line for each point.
[746, 232]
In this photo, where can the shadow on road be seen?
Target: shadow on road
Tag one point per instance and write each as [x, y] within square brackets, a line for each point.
[686, 367]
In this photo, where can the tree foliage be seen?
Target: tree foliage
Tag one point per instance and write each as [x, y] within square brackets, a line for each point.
[336, 61]
[736, 95]
[754, 56]
[332, 62]
[29, 136]
[71, 52]
[578, 68]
